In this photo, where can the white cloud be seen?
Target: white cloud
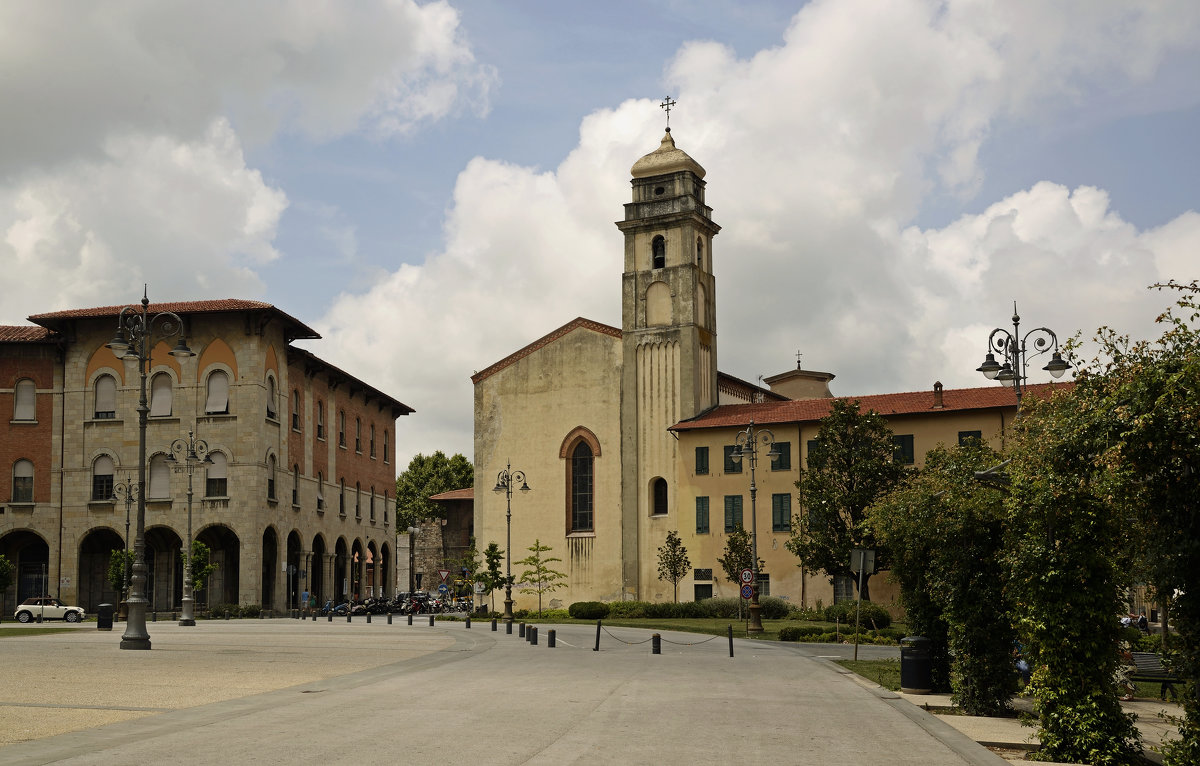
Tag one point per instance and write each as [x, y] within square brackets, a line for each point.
[819, 153]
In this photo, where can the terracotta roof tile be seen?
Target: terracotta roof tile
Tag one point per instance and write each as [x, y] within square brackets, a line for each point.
[456, 494]
[316, 362]
[25, 334]
[909, 403]
[542, 342]
[55, 319]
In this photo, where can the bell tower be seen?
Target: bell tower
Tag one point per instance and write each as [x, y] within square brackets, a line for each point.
[668, 333]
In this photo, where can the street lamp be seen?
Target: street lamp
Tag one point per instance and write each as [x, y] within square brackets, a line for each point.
[128, 492]
[504, 483]
[412, 546]
[192, 452]
[135, 334]
[747, 446]
[1014, 347]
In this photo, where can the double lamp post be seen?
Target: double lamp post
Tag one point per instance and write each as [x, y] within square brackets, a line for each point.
[191, 452]
[746, 449]
[505, 481]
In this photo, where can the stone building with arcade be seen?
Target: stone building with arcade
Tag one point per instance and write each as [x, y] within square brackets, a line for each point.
[298, 495]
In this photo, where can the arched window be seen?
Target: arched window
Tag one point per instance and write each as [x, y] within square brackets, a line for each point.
[295, 485]
[341, 428]
[271, 477]
[22, 481]
[372, 501]
[320, 420]
[217, 388]
[385, 506]
[342, 496]
[372, 440]
[102, 478]
[700, 252]
[25, 400]
[106, 398]
[385, 445]
[358, 434]
[658, 252]
[659, 490]
[357, 500]
[582, 488]
[271, 409]
[161, 394]
[320, 491]
[295, 410]
[216, 483]
[160, 479]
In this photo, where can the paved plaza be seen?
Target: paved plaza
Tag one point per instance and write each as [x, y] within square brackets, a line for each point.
[287, 691]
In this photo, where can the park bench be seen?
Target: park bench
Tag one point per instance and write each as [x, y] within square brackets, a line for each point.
[1148, 667]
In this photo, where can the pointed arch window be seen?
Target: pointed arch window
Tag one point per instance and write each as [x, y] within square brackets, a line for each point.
[161, 395]
[295, 485]
[320, 420]
[385, 445]
[102, 478]
[106, 398]
[295, 410]
[358, 435]
[372, 501]
[216, 481]
[217, 390]
[658, 252]
[25, 400]
[320, 491]
[372, 442]
[341, 428]
[271, 477]
[160, 479]
[582, 488]
[271, 409]
[22, 481]
[342, 497]
[357, 500]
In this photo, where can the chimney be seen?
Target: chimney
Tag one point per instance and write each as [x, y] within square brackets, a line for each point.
[937, 395]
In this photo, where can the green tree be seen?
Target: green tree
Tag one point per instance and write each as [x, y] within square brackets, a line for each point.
[851, 464]
[427, 476]
[673, 563]
[540, 578]
[120, 561]
[491, 577]
[7, 568]
[202, 567]
[468, 568]
[739, 555]
[945, 532]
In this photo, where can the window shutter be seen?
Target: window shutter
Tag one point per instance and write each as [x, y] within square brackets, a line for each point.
[218, 393]
[160, 478]
[106, 394]
[271, 397]
[160, 395]
[25, 407]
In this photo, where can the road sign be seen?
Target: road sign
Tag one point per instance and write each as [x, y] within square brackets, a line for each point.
[747, 591]
[747, 576]
[443, 588]
[443, 573]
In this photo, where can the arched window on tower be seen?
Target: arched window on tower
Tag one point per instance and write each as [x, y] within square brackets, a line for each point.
[659, 490]
[658, 252]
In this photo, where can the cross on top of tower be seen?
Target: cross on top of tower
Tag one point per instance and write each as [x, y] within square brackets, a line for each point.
[666, 104]
[798, 355]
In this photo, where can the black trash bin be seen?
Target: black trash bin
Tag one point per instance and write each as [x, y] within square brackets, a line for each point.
[916, 666]
[104, 617]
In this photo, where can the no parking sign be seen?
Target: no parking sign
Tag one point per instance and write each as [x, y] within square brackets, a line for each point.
[747, 591]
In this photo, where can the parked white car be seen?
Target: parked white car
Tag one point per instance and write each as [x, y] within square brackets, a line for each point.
[47, 608]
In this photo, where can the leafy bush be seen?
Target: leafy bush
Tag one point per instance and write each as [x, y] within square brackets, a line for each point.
[554, 614]
[249, 610]
[588, 610]
[628, 609]
[873, 615]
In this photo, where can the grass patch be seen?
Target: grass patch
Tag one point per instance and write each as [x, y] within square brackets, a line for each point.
[710, 626]
[886, 673]
[15, 632]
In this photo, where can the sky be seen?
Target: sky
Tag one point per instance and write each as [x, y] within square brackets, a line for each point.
[433, 185]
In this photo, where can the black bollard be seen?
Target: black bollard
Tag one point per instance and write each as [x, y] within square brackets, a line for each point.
[730, 640]
[349, 616]
[521, 630]
[410, 619]
[368, 618]
[493, 624]
[331, 616]
[656, 644]
[389, 618]
[227, 614]
[431, 620]
[508, 627]
[154, 617]
[550, 638]
[533, 639]
[468, 622]
[597, 647]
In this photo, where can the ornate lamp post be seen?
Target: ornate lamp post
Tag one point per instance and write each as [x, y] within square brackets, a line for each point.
[747, 446]
[136, 331]
[412, 558]
[504, 483]
[1014, 347]
[128, 492]
[192, 452]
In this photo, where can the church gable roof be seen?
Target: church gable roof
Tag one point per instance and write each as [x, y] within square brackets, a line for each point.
[542, 342]
[908, 403]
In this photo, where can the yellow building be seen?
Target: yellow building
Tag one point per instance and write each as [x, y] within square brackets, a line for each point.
[621, 433]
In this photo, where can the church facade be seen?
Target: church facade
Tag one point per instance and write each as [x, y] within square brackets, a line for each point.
[623, 433]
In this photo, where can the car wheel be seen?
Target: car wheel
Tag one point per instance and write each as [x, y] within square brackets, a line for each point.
[24, 617]
[72, 617]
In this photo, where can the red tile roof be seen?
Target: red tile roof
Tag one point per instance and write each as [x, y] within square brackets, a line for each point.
[910, 403]
[456, 494]
[25, 334]
[55, 319]
[313, 362]
[542, 342]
